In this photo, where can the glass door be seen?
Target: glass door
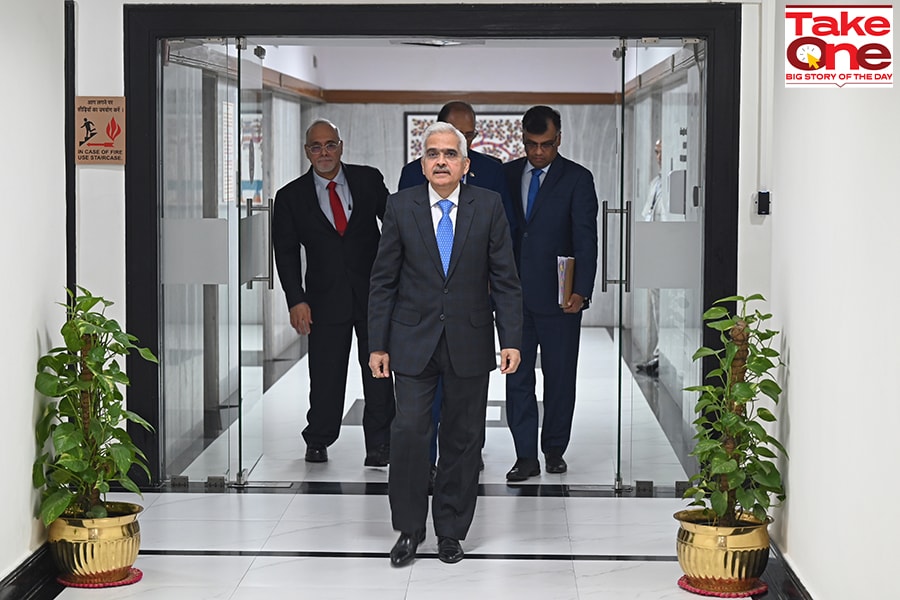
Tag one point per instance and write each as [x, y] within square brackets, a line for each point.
[256, 256]
[660, 211]
[213, 246]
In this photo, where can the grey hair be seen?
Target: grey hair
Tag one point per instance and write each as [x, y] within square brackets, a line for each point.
[323, 122]
[441, 127]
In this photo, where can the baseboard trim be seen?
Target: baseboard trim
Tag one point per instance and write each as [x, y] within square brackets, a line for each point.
[34, 579]
[783, 582]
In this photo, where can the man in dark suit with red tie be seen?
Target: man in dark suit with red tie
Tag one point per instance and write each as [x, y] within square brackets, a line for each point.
[445, 252]
[331, 213]
[556, 215]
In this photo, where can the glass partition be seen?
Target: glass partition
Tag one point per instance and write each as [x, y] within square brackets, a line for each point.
[662, 190]
[228, 143]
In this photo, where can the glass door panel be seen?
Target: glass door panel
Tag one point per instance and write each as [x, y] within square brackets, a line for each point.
[663, 170]
[199, 233]
[256, 265]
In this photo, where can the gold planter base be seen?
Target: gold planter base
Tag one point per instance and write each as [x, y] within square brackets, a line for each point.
[722, 560]
[97, 551]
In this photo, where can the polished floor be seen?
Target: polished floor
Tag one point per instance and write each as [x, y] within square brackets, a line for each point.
[323, 531]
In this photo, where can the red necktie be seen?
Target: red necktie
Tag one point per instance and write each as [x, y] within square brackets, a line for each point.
[337, 209]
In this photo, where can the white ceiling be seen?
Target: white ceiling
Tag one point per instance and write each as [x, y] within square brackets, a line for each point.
[533, 65]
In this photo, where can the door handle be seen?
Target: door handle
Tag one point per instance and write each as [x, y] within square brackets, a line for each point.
[270, 277]
[604, 275]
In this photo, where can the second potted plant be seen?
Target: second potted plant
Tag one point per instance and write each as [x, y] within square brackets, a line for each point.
[723, 547]
[93, 542]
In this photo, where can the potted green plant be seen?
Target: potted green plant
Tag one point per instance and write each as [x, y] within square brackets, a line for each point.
[723, 546]
[83, 445]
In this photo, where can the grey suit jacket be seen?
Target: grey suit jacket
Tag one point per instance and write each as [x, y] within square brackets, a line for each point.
[411, 303]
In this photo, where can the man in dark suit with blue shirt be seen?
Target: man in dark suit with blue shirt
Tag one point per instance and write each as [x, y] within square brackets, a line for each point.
[555, 207]
[444, 258]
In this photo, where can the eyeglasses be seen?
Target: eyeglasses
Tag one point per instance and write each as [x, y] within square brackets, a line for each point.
[531, 145]
[317, 148]
[432, 154]
[470, 135]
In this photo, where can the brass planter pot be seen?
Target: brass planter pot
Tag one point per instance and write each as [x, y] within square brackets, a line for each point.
[722, 559]
[97, 551]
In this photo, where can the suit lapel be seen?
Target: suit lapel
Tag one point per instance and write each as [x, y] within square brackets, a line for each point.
[465, 213]
[514, 183]
[474, 168]
[550, 180]
[309, 193]
[356, 192]
[422, 216]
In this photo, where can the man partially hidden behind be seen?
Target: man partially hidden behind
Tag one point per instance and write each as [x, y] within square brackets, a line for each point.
[556, 213]
[331, 213]
[430, 318]
[653, 211]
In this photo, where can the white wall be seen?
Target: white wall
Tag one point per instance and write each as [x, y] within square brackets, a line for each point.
[826, 257]
[32, 244]
[835, 279]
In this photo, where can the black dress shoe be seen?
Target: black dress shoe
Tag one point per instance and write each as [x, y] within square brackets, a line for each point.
[523, 469]
[378, 457]
[554, 462]
[650, 368]
[316, 454]
[404, 550]
[449, 550]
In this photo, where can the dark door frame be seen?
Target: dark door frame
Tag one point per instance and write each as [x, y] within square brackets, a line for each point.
[145, 25]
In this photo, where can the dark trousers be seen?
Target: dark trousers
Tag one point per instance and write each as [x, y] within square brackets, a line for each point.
[558, 337]
[329, 351]
[462, 433]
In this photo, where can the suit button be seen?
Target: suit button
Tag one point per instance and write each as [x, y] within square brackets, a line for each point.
[525, 235]
[446, 291]
[442, 317]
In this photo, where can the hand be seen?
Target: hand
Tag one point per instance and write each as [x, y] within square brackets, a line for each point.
[380, 364]
[301, 318]
[509, 360]
[576, 302]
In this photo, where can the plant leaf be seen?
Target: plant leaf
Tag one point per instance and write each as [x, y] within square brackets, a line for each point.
[704, 351]
[722, 325]
[719, 502]
[720, 468]
[770, 389]
[765, 414]
[55, 504]
[716, 312]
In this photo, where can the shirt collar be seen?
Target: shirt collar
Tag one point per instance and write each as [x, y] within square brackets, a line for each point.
[529, 167]
[434, 197]
[339, 179]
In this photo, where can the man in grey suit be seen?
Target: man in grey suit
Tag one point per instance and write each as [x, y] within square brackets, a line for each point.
[445, 250]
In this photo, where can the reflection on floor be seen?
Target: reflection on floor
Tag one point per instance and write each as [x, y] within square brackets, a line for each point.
[272, 446]
[327, 535]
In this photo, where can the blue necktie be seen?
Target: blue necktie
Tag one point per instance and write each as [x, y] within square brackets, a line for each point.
[533, 188]
[445, 234]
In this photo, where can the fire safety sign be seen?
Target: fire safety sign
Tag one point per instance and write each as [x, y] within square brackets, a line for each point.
[100, 130]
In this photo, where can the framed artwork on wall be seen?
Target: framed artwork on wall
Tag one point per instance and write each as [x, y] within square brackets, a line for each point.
[499, 135]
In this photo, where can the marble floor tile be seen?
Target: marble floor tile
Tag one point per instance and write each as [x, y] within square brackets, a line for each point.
[527, 541]
[205, 534]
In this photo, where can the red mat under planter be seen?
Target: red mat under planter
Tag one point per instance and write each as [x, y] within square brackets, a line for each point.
[134, 575]
[761, 589]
